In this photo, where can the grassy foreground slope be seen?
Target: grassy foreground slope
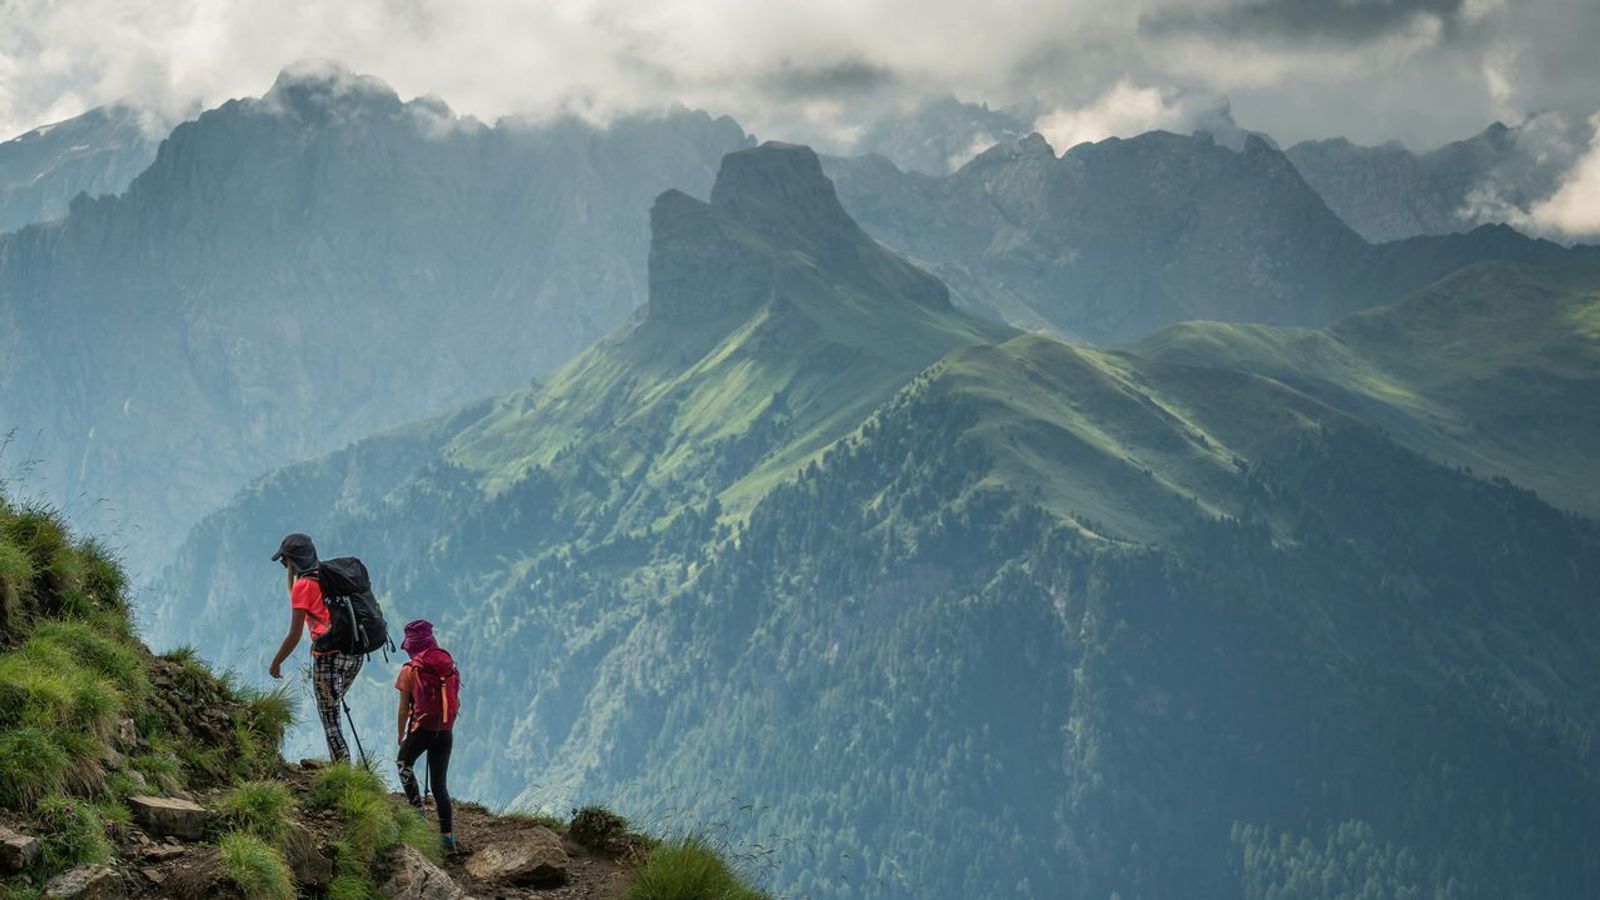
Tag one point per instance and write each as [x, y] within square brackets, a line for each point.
[929, 609]
[1495, 368]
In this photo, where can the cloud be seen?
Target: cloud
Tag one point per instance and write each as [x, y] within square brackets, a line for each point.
[1550, 185]
[1338, 21]
[1422, 70]
[1574, 209]
[1127, 110]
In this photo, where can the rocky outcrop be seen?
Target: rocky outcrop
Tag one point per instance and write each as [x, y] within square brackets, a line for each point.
[531, 857]
[17, 851]
[413, 877]
[86, 883]
[170, 817]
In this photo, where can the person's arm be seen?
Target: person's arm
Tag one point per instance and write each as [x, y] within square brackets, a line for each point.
[405, 714]
[297, 624]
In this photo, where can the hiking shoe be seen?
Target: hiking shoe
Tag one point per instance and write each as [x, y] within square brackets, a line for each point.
[449, 845]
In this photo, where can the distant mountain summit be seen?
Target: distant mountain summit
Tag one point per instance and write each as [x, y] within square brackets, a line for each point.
[1118, 238]
[297, 270]
[96, 153]
[1388, 192]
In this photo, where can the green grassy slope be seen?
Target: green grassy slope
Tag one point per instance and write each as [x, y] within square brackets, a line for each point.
[88, 717]
[1494, 368]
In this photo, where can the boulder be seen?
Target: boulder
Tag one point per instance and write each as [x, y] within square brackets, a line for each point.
[413, 877]
[86, 883]
[533, 856]
[312, 867]
[170, 817]
[127, 734]
[17, 851]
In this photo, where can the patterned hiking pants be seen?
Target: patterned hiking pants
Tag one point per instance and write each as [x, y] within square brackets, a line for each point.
[331, 676]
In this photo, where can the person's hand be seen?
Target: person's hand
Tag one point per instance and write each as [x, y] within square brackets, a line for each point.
[275, 670]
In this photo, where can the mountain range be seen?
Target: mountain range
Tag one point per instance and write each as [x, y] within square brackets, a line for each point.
[1389, 192]
[301, 269]
[1113, 240]
[930, 607]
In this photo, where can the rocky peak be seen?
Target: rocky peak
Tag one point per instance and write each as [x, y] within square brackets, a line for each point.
[779, 190]
[773, 223]
[320, 89]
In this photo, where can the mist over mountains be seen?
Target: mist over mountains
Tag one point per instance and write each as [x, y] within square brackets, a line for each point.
[806, 539]
[301, 269]
[99, 152]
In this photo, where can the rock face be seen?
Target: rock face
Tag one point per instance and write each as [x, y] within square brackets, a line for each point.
[96, 153]
[413, 877]
[86, 883]
[170, 817]
[532, 857]
[1388, 192]
[17, 851]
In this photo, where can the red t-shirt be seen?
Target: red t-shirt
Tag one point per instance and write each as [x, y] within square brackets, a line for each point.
[307, 595]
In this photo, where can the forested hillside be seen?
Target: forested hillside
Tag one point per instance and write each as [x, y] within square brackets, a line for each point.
[940, 610]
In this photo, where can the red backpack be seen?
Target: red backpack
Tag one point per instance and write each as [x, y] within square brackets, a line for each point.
[437, 699]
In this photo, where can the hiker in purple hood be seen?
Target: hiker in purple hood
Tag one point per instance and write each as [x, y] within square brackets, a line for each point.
[430, 702]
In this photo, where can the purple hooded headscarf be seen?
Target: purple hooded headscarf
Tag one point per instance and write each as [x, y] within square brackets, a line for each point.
[419, 637]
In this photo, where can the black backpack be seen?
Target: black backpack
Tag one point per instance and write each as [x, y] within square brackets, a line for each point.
[355, 621]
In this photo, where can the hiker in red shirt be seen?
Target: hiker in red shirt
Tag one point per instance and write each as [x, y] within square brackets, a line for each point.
[333, 672]
[430, 699]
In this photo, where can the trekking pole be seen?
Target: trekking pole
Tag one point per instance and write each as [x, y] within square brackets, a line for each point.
[355, 734]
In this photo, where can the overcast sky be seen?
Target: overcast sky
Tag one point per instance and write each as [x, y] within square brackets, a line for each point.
[1423, 71]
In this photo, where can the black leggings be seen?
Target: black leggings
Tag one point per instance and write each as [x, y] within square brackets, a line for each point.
[437, 745]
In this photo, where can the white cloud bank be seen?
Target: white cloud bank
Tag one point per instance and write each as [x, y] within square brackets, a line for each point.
[1421, 70]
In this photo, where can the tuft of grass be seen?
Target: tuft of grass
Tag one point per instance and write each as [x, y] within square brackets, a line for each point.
[183, 655]
[351, 887]
[257, 868]
[266, 718]
[531, 817]
[271, 712]
[599, 828]
[16, 579]
[689, 869]
[259, 808]
[159, 767]
[373, 821]
[71, 833]
[31, 766]
[10, 891]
